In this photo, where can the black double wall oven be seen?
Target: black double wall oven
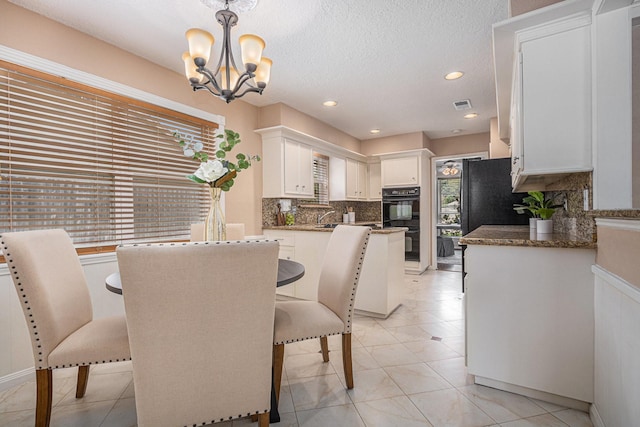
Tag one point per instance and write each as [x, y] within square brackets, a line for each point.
[401, 208]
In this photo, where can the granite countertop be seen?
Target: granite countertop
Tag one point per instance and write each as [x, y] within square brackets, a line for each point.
[520, 235]
[320, 227]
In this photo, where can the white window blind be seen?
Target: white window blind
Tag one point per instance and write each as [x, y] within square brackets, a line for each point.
[105, 168]
[321, 179]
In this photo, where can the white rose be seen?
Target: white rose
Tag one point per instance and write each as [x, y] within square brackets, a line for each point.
[211, 171]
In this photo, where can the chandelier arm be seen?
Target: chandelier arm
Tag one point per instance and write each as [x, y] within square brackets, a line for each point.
[209, 75]
[243, 79]
[207, 87]
[249, 89]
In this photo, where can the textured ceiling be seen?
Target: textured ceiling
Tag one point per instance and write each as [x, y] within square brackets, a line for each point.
[382, 60]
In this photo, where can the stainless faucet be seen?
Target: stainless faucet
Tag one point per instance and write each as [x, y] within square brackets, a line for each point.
[321, 217]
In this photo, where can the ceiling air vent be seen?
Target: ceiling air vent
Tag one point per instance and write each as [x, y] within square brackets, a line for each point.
[465, 104]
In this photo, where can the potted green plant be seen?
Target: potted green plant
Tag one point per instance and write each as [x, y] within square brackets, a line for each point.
[540, 208]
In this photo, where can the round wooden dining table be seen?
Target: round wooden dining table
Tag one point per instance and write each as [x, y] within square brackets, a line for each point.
[288, 272]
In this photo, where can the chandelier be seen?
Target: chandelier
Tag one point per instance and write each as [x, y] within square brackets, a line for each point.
[227, 81]
[450, 169]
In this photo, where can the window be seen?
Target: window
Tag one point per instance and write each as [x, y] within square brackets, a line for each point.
[449, 204]
[104, 167]
[320, 179]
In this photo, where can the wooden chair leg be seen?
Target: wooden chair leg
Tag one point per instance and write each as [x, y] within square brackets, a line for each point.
[278, 361]
[263, 420]
[44, 396]
[324, 345]
[346, 360]
[83, 379]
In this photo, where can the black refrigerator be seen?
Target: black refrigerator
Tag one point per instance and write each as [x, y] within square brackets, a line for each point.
[487, 198]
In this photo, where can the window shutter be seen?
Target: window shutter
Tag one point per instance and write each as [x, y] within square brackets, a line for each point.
[105, 168]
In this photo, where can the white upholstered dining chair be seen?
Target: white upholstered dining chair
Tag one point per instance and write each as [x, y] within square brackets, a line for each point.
[332, 313]
[200, 319]
[55, 300]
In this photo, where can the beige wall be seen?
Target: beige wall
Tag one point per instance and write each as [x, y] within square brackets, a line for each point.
[518, 7]
[461, 144]
[391, 144]
[37, 35]
[618, 253]
[497, 148]
[282, 114]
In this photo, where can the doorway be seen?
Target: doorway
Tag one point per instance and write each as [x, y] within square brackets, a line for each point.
[446, 218]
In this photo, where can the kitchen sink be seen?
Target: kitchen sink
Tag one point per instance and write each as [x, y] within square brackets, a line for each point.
[330, 225]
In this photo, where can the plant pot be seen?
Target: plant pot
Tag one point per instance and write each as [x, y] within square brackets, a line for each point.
[532, 223]
[544, 226]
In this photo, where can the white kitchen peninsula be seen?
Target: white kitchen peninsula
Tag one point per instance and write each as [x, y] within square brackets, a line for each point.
[529, 313]
[381, 285]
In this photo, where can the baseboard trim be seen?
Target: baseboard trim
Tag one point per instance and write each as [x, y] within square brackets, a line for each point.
[535, 394]
[595, 417]
[17, 378]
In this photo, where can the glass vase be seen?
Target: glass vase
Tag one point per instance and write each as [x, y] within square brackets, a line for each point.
[215, 227]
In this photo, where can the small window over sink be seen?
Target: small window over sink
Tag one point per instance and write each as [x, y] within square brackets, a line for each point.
[320, 180]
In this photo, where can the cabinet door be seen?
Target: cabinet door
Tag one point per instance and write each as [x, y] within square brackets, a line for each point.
[515, 124]
[362, 180]
[298, 168]
[291, 167]
[352, 179]
[305, 162]
[556, 102]
[375, 182]
[401, 172]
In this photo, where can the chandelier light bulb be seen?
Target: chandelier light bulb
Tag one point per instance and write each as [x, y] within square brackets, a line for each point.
[251, 47]
[263, 72]
[200, 43]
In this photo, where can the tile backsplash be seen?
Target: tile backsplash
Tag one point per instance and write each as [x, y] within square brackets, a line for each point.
[576, 220]
[308, 214]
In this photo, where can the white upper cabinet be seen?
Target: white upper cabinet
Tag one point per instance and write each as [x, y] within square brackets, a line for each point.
[298, 168]
[545, 83]
[356, 175]
[375, 181]
[616, 41]
[287, 167]
[401, 172]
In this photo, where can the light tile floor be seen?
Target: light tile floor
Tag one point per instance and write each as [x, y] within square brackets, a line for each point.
[409, 371]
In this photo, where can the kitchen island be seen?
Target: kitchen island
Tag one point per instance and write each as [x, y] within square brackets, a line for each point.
[530, 313]
[381, 285]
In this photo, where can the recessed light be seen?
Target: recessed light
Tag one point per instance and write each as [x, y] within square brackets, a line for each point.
[454, 75]
[471, 116]
[374, 131]
[329, 103]
[456, 130]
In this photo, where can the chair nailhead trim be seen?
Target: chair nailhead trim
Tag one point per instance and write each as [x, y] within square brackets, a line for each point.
[25, 301]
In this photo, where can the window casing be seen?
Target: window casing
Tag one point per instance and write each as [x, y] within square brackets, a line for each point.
[104, 167]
